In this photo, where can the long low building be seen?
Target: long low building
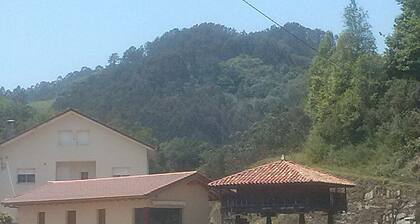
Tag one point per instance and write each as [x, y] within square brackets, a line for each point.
[171, 198]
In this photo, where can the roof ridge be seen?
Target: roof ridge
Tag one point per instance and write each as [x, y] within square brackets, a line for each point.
[77, 112]
[121, 178]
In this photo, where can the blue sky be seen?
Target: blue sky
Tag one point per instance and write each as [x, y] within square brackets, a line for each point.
[42, 39]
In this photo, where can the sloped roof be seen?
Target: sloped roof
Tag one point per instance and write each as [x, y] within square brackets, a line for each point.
[280, 172]
[101, 189]
[58, 115]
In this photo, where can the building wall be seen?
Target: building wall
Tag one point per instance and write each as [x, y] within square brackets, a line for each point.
[194, 198]
[72, 170]
[40, 150]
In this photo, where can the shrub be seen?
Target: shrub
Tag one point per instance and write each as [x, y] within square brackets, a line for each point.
[5, 219]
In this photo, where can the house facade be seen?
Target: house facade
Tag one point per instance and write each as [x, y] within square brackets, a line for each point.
[69, 146]
[170, 198]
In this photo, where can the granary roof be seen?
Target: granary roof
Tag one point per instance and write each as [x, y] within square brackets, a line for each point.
[102, 189]
[280, 173]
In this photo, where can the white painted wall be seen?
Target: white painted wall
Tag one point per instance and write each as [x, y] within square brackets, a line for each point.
[40, 149]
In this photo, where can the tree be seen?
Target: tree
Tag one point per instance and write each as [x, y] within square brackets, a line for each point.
[403, 53]
[181, 154]
[341, 82]
[356, 25]
[114, 59]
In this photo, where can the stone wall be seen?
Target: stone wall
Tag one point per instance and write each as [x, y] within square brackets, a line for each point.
[376, 202]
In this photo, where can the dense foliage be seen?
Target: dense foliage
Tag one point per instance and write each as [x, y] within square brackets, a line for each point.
[365, 107]
[4, 219]
[199, 89]
[13, 106]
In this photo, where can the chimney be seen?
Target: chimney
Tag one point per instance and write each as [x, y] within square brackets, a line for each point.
[10, 128]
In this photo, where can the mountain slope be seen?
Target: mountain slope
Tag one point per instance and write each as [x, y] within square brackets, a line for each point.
[206, 83]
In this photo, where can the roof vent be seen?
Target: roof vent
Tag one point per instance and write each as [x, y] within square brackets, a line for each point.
[283, 157]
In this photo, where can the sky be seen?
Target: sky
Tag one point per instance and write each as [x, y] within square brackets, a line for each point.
[42, 39]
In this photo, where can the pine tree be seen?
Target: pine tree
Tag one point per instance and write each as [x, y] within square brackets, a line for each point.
[359, 30]
[403, 54]
[340, 81]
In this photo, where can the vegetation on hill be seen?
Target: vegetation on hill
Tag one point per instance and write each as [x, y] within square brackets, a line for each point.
[216, 99]
[365, 106]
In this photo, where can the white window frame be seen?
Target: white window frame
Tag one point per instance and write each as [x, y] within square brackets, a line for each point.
[60, 140]
[26, 172]
[121, 171]
[77, 135]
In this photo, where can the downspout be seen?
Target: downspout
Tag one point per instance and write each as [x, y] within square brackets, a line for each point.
[10, 177]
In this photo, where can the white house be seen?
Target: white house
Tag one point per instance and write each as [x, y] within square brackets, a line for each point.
[69, 146]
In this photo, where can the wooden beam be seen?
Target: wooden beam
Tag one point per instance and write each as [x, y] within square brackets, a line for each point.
[302, 218]
[146, 215]
[268, 220]
[330, 218]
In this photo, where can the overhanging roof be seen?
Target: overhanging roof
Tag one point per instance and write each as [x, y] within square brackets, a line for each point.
[280, 173]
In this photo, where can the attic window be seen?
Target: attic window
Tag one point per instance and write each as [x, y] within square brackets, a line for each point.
[65, 137]
[82, 137]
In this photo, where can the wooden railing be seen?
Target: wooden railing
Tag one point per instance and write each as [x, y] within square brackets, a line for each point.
[285, 203]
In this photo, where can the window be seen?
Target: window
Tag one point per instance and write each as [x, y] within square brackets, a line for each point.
[84, 175]
[65, 137]
[41, 218]
[82, 137]
[71, 217]
[158, 215]
[120, 171]
[101, 216]
[26, 176]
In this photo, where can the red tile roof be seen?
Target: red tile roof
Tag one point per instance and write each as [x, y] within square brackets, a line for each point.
[103, 188]
[280, 172]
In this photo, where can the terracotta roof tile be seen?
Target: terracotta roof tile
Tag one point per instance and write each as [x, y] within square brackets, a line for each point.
[103, 188]
[280, 172]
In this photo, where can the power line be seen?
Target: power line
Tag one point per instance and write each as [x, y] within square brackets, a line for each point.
[287, 31]
[278, 24]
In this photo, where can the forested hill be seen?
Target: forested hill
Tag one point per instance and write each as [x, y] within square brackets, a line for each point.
[205, 83]
[193, 91]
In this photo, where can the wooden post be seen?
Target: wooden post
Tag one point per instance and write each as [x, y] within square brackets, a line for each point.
[146, 213]
[330, 218]
[302, 218]
[268, 220]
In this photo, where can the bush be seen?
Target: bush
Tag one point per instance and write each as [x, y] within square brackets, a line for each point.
[5, 219]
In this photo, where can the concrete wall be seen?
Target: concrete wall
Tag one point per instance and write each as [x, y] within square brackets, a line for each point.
[195, 208]
[40, 149]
